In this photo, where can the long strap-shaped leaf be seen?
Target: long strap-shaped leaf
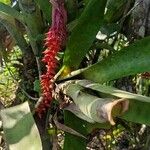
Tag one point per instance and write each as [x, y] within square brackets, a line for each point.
[128, 61]
[20, 129]
[84, 33]
[113, 91]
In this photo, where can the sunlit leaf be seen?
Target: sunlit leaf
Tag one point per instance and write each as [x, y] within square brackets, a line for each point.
[8, 2]
[138, 106]
[20, 129]
[96, 109]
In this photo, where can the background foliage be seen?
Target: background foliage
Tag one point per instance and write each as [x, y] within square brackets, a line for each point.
[108, 45]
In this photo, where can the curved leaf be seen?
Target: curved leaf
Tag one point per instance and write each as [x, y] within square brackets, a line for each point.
[135, 113]
[112, 91]
[96, 109]
[139, 105]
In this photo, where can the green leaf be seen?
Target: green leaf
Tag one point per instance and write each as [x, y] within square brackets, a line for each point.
[20, 129]
[128, 61]
[115, 9]
[73, 142]
[46, 8]
[138, 112]
[84, 33]
[86, 1]
[9, 23]
[8, 2]
[37, 87]
[72, 9]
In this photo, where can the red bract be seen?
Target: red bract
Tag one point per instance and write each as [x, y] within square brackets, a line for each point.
[54, 41]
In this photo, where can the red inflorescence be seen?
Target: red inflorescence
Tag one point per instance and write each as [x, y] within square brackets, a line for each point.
[55, 39]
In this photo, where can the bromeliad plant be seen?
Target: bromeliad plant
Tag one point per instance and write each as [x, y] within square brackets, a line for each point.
[94, 56]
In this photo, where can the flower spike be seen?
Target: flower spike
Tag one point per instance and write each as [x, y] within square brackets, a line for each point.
[55, 39]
